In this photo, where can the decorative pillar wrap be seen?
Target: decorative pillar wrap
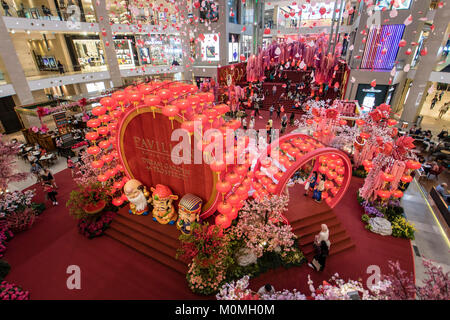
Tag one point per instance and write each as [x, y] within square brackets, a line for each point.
[145, 148]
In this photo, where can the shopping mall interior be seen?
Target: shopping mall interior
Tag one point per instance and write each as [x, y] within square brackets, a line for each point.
[224, 150]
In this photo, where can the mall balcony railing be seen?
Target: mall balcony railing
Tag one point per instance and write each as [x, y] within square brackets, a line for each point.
[47, 14]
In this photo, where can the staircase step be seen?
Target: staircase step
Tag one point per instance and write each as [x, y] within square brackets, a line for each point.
[338, 245]
[333, 224]
[147, 251]
[145, 230]
[144, 239]
[317, 219]
[147, 221]
[309, 239]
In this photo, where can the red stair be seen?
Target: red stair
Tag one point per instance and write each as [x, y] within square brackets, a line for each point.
[305, 228]
[152, 239]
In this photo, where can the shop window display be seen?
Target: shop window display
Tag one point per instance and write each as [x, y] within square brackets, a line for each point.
[124, 52]
[159, 50]
[90, 53]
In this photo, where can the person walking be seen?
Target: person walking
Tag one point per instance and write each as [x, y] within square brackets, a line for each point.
[60, 67]
[6, 8]
[443, 110]
[244, 123]
[292, 119]
[278, 112]
[35, 170]
[271, 110]
[440, 95]
[71, 166]
[251, 124]
[257, 108]
[274, 90]
[51, 193]
[283, 123]
[47, 176]
[433, 102]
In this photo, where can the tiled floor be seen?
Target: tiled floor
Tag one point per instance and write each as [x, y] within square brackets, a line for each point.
[431, 240]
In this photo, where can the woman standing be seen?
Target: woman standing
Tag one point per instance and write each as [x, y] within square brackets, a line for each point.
[311, 183]
[321, 253]
[51, 193]
[47, 176]
[320, 186]
[251, 124]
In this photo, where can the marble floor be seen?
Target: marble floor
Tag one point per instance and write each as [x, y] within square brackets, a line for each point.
[431, 237]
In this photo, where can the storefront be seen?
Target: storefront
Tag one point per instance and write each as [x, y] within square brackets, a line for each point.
[210, 47]
[370, 97]
[87, 53]
[159, 50]
[126, 51]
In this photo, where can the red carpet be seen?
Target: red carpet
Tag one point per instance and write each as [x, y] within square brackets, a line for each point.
[40, 256]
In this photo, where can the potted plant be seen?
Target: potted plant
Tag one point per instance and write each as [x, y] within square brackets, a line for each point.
[87, 200]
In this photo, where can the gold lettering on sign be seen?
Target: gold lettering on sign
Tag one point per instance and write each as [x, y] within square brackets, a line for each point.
[156, 157]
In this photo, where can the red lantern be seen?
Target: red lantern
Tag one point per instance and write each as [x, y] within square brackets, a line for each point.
[233, 199]
[391, 122]
[383, 194]
[170, 111]
[406, 179]
[360, 122]
[232, 178]
[98, 111]
[103, 130]
[91, 136]
[164, 94]
[387, 177]
[223, 221]
[108, 102]
[93, 150]
[217, 166]
[117, 201]
[97, 164]
[223, 186]
[102, 178]
[413, 165]
[233, 214]
[397, 194]
[93, 123]
[104, 144]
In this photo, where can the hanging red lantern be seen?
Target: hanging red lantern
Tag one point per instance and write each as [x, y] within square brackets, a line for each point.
[97, 164]
[223, 221]
[223, 186]
[93, 123]
[98, 111]
[397, 194]
[383, 194]
[406, 179]
[102, 178]
[104, 144]
[94, 150]
[387, 177]
[164, 94]
[117, 201]
[91, 136]
[170, 111]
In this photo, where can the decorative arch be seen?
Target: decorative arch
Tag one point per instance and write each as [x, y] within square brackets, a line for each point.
[317, 150]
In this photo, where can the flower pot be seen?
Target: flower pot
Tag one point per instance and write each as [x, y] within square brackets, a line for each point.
[94, 208]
